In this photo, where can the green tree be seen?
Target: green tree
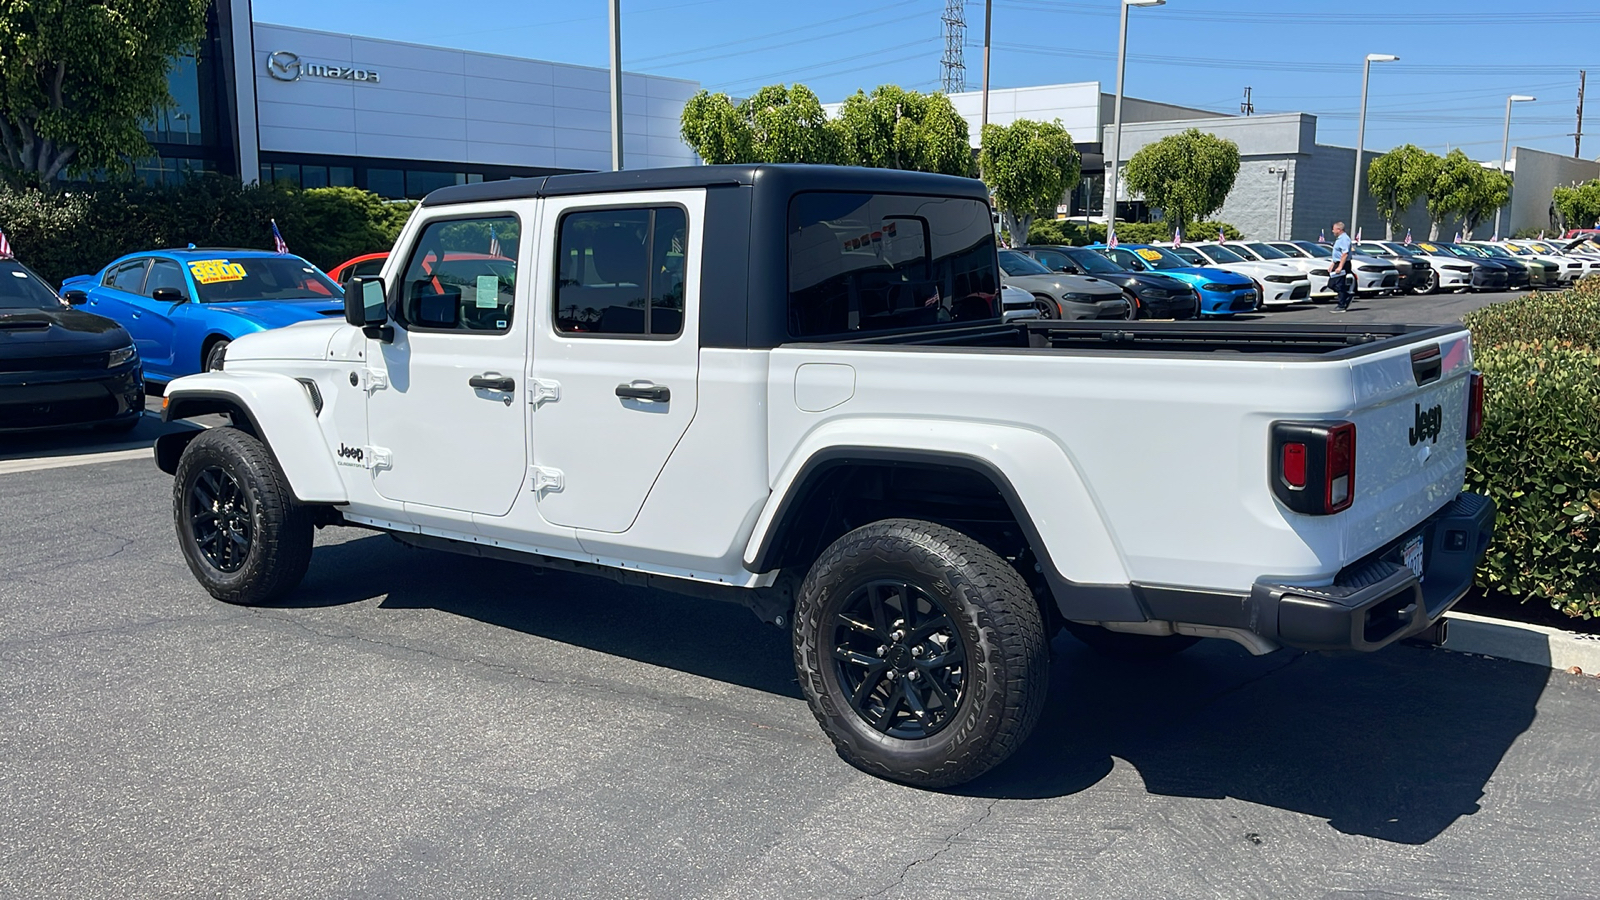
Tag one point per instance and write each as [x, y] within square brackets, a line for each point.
[1579, 206]
[1451, 191]
[777, 124]
[1398, 179]
[1029, 166]
[893, 128]
[78, 78]
[1487, 191]
[712, 126]
[1185, 175]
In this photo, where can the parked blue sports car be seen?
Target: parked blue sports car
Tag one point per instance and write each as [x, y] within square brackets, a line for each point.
[182, 307]
[1222, 293]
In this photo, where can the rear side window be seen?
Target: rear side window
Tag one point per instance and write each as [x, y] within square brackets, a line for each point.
[462, 271]
[622, 272]
[128, 277]
[879, 262]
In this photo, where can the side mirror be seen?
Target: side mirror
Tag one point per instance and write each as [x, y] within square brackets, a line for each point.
[168, 295]
[366, 306]
[1070, 269]
[75, 297]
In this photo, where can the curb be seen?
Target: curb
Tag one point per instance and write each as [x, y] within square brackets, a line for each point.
[1537, 645]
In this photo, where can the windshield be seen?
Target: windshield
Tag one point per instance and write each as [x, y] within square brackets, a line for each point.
[1189, 255]
[1151, 257]
[1493, 251]
[1317, 250]
[21, 289]
[1014, 263]
[1291, 251]
[1222, 254]
[1374, 250]
[1464, 251]
[1267, 251]
[232, 280]
[1405, 250]
[1092, 262]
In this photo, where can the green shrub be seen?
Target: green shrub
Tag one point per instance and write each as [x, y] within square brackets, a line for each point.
[64, 233]
[1538, 456]
[1075, 233]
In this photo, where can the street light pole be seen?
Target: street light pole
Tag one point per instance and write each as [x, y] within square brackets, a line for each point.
[1505, 147]
[1361, 135]
[1116, 119]
[616, 85]
[988, 16]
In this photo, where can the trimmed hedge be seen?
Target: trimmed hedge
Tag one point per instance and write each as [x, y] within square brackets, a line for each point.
[1066, 231]
[1538, 456]
[64, 233]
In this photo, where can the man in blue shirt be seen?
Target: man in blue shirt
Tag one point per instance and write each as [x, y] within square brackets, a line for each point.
[1340, 278]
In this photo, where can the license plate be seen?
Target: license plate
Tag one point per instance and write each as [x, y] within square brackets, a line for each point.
[1411, 555]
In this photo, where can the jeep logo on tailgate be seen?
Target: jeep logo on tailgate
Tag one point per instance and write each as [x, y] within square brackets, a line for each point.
[1428, 424]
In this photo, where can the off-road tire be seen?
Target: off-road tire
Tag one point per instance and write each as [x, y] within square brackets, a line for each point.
[1122, 645]
[998, 623]
[280, 530]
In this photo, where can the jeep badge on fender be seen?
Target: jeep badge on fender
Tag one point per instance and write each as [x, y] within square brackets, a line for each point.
[356, 454]
[1428, 424]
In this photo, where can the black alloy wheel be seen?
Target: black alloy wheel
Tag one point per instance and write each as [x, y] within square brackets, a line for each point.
[1430, 286]
[220, 517]
[899, 659]
[215, 356]
[1136, 309]
[1048, 309]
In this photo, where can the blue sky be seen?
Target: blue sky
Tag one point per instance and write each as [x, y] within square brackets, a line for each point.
[1459, 60]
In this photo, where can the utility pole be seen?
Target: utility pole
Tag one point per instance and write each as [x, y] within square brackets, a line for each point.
[616, 85]
[988, 16]
[1577, 136]
[953, 67]
[1247, 107]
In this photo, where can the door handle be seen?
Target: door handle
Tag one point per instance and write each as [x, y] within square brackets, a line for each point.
[493, 382]
[657, 393]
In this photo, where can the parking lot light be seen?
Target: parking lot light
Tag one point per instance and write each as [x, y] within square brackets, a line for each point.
[1505, 147]
[1116, 118]
[1361, 132]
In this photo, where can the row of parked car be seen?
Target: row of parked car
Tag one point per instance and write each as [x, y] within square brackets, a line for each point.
[1192, 280]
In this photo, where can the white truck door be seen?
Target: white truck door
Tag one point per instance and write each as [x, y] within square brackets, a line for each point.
[447, 413]
[616, 351]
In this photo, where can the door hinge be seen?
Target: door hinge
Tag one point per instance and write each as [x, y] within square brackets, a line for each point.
[379, 458]
[547, 479]
[541, 390]
[373, 380]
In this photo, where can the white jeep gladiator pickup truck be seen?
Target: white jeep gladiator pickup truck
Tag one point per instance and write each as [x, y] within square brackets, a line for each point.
[793, 387]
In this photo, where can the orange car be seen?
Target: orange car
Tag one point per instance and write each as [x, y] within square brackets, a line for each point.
[365, 264]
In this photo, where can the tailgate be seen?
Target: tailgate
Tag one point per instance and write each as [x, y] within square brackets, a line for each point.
[1410, 413]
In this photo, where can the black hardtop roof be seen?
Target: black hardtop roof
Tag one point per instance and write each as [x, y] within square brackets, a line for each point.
[787, 178]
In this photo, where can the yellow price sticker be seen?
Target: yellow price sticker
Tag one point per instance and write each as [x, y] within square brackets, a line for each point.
[1429, 247]
[1514, 248]
[211, 271]
[1151, 255]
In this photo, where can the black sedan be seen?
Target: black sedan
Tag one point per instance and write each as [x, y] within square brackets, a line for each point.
[59, 366]
[1154, 296]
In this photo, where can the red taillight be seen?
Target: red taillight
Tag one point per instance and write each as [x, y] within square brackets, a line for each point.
[1475, 405]
[1340, 474]
[1294, 465]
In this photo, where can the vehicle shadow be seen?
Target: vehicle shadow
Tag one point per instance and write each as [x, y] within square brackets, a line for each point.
[1395, 745]
[78, 441]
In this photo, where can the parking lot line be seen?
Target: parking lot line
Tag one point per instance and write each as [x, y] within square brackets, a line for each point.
[11, 466]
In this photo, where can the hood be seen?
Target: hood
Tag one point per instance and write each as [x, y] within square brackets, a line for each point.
[38, 333]
[1198, 274]
[278, 313]
[305, 341]
[1056, 285]
[1158, 281]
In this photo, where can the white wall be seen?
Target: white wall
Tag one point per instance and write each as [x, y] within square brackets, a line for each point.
[1076, 105]
[447, 105]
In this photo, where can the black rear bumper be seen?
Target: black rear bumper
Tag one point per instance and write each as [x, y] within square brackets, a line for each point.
[1379, 600]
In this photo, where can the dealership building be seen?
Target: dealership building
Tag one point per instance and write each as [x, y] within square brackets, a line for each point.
[315, 108]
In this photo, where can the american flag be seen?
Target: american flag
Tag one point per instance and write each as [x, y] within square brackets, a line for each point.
[1322, 237]
[494, 242]
[1111, 237]
[1222, 236]
[1408, 237]
[1177, 237]
[5, 247]
[1458, 238]
[1358, 233]
[277, 239]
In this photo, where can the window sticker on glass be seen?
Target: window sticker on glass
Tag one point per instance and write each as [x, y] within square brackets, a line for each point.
[1429, 247]
[1151, 255]
[213, 271]
[488, 292]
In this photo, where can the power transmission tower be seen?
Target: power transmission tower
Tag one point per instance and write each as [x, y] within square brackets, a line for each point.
[953, 67]
[1247, 107]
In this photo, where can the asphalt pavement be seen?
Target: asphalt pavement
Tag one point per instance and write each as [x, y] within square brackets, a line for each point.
[413, 723]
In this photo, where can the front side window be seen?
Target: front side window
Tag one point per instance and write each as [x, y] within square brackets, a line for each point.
[621, 272]
[1019, 264]
[1092, 263]
[1190, 256]
[462, 276]
[1220, 254]
[877, 262]
[128, 277]
[1267, 251]
[168, 274]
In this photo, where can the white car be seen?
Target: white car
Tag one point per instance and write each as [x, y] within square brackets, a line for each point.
[1581, 251]
[839, 432]
[1567, 270]
[1279, 284]
[1373, 275]
[1016, 303]
[1313, 269]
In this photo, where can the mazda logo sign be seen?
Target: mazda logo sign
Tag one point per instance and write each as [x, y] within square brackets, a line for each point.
[283, 65]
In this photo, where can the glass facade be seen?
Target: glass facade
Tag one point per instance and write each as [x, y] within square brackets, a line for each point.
[390, 179]
[195, 134]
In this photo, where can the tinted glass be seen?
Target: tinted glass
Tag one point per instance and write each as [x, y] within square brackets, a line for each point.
[615, 265]
[1092, 262]
[390, 183]
[1374, 250]
[129, 276]
[168, 274]
[464, 270]
[21, 289]
[1053, 260]
[1316, 250]
[1222, 254]
[228, 280]
[871, 262]
[1267, 251]
[1190, 255]
[1014, 263]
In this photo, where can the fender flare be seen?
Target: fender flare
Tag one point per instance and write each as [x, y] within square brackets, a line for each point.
[278, 409]
[1079, 558]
